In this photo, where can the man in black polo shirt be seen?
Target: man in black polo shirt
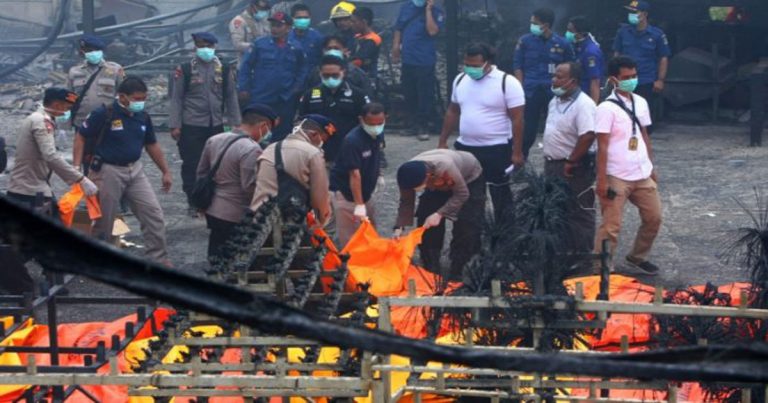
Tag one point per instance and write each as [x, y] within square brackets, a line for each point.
[115, 136]
[335, 99]
[356, 172]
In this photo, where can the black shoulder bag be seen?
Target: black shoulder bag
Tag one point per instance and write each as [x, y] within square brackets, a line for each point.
[76, 106]
[204, 189]
[292, 195]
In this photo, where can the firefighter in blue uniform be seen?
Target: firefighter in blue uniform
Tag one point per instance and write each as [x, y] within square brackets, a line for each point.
[536, 56]
[588, 55]
[273, 73]
[649, 47]
[311, 40]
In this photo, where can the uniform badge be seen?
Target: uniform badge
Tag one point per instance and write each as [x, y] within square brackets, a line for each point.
[348, 92]
[592, 62]
[367, 153]
[49, 126]
[316, 93]
[117, 124]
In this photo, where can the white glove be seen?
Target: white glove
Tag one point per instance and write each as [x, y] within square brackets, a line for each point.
[360, 212]
[433, 220]
[397, 233]
[89, 188]
[380, 183]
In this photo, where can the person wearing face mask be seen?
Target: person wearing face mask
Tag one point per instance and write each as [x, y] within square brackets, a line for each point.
[453, 188]
[356, 172]
[95, 80]
[36, 155]
[234, 156]
[274, 72]
[568, 136]
[336, 99]
[118, 133]
[367, 42]
[536, 56]
[487, 107]
[357, 77]
[293, 170]
[625, 169]
[414, 45]
[252, 24]
[203, 98]
[311, 40]
[649, 47]
[588, 54]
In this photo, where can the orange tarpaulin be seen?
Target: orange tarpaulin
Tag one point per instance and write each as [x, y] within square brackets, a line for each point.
[69, 201]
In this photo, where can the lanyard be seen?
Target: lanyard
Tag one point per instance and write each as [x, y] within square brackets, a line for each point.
[624, 106]
[575, 97]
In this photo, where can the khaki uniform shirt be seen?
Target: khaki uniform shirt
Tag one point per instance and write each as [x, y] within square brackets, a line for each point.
[236, 177]
[36, 157]
[205, 103]
[244, 29]
[102, 90]
[305, 163]
[459, 167]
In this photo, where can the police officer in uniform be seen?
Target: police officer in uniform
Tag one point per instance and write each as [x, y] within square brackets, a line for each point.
[203, 93]
[588, 54]
[119, 132]
[36, 155]
[304, 168]
[95, 80]
[250, 25]
[536, 56]
[273, 73]
[649, 47]
[335, 99]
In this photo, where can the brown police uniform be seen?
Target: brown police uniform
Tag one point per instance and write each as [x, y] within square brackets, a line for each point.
[101, 92]
[244, 29]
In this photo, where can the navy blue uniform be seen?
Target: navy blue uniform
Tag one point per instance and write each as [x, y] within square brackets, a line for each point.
[419, 56]
[342, 106]
[537, 57]
[312, 44]
[125, 138]
[358, 151]
[590, 57]
[646, 47]
[273, 74]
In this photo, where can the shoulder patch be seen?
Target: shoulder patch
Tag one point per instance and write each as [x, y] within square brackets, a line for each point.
[237, 22]
[117, 124]
[592, 61]
[178, 73]
[316, 93]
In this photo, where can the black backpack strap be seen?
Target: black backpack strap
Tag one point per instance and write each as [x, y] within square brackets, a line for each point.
[279, 167]
[76, 107]
[186, 71]
[217, 164]
[225, 69]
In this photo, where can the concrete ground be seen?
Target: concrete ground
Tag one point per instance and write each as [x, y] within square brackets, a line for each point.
[703, 171]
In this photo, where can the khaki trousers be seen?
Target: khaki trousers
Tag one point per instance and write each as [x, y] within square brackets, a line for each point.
[346, 223]
[645, 196]
[130, 182]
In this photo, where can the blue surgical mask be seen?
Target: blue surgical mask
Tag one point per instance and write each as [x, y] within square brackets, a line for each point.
[63, 118]
[206, 54]
[302, 23]
[94, 57]
[633, 18]
[419, 3]
[475, 73]
[335, 52]
[136, 106]
[570, 36]
[627, 85]
[332, 82]
[373, 130]
[261, 15]
[536, 29]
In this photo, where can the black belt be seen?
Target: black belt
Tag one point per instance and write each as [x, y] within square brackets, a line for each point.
[124, 165]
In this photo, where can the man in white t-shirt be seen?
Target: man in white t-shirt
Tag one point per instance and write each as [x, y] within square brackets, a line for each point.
[568, 136]
[624, 165]
[487, 106]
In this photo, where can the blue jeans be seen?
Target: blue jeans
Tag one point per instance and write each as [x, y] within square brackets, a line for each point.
[418, 84]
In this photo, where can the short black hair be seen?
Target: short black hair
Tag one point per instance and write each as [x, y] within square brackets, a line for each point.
[365, 14]
[581, 24]
[620, 62]
[333, 38]
[372, 108]
[299, 7]
[251, 117]
[481, 49]
[545, 15]
[132, 85]
[575, 70]
[331, 59]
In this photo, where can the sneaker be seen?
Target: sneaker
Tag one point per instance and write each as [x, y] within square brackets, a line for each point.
[423, 137]
[646, 266]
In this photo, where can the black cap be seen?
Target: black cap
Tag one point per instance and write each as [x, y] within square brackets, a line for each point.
[93, 41]
[326, 123]
[205, 37]
[262, 110]
[59, 94]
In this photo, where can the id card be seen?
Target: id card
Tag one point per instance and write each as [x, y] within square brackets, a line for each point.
[551, 68]
[633, 143]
